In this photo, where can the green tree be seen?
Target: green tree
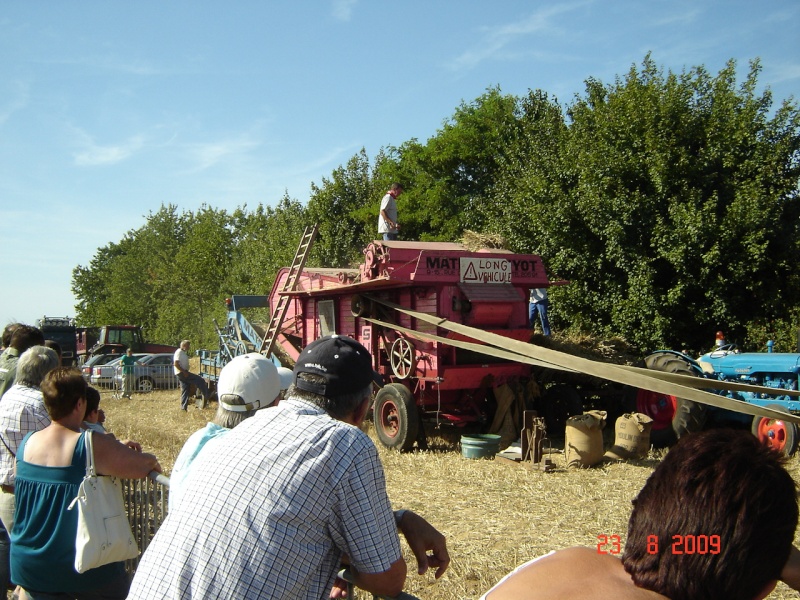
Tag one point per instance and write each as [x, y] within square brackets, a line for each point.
[124, 280]
[675, 210]
[345, 228]
[192, 284]
[447, 179]
[265, 241]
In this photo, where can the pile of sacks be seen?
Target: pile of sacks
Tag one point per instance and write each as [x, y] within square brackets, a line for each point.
[583, 440]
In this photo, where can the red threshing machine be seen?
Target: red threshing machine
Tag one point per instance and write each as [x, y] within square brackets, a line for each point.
[426, 378]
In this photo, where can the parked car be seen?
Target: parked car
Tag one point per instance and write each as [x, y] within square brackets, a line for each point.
[103, 375]
[96, 361]
[151, 372]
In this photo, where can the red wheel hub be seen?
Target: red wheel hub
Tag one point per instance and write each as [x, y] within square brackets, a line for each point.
[659, 407]
[388, 419]
[772, 432]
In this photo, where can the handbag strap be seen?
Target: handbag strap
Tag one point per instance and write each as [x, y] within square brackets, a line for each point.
[91, 471]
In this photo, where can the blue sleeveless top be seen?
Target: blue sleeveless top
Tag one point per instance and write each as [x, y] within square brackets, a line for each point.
[43, 536]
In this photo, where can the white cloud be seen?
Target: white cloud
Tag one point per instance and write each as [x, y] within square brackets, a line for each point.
[678, 18]
[494, 42]
[343, 9]
[784, 72]
[93, 154]
[205, 155]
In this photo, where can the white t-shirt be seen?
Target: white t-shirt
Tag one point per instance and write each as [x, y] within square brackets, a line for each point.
[182, 359]
[538, 294]
[389, 205]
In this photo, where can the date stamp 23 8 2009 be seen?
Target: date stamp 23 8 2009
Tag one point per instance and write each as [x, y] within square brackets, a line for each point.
[679, 544]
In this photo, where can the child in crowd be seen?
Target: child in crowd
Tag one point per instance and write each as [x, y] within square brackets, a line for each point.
[94, 417]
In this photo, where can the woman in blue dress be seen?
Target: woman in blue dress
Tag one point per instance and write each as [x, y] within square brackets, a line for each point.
[51, 464]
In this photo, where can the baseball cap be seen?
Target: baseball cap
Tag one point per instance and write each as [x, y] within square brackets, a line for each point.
[345, 365]
[253, 378]
[287, 377]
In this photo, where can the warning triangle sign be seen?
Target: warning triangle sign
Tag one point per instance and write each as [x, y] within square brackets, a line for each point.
[470, 274]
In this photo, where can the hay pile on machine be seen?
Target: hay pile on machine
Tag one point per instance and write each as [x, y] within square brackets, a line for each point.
[426, 377]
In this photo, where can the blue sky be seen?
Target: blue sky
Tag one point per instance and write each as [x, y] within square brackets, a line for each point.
[109, 110]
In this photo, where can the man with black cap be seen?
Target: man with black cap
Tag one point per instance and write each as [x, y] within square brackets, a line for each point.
[298, 487]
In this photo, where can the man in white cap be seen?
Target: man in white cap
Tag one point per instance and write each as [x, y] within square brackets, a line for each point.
[297, 488]
[247, 383]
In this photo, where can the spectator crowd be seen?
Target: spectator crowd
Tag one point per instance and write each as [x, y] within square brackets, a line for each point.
[283, 488]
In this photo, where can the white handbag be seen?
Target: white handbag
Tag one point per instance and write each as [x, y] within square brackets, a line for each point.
[104, 534]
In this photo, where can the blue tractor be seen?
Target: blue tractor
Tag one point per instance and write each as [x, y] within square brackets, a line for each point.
[770, 380]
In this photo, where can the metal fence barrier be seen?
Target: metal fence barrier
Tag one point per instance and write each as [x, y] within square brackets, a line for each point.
[143, 379]
[146, 504]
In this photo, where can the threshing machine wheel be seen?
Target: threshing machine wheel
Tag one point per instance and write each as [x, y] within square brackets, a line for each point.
[395, 416]
[672, 416]
[776, 433]
[403, 358]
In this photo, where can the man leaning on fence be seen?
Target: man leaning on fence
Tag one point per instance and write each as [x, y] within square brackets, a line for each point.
[185, 377]
[297, 487]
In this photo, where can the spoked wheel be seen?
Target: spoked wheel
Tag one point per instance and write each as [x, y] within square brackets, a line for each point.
[403, 358]
[776, 433]
[395, 416]
[672, 416]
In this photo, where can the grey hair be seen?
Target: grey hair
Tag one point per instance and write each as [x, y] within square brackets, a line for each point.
[34, 364]
[339, 407]
[228, 418]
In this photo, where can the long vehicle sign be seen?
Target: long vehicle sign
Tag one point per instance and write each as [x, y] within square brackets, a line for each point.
[489, 268]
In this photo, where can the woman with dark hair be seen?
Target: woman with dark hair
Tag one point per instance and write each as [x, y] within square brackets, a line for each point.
[51, 464]
[715, 520]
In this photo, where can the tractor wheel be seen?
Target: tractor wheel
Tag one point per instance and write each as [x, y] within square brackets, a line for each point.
[395, 416]
[560, 402]
[672, 416]
[145, 385]
[776, 433]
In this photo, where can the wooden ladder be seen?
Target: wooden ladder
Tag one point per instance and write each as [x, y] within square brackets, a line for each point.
[290, 284]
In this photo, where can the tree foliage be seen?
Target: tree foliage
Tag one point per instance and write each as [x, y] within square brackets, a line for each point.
[668, 200]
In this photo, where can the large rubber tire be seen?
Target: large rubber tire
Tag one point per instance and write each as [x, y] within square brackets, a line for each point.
[395, 416]
[559, 403]
[775, 433]
[672, 416]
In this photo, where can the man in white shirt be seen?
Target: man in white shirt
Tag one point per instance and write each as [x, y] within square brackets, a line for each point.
[387, 220]
[181, 368]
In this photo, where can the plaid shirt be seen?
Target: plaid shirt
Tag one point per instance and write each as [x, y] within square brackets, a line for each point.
[268, 510]
[21, 411]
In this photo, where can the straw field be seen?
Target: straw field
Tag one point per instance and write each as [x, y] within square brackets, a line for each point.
[496, 514]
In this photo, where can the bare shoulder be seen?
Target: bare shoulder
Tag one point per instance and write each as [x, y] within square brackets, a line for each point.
[574, 574]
